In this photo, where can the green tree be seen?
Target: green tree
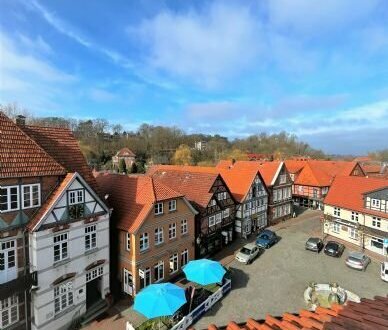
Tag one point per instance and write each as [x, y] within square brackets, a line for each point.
[133, 168]
[122, 166]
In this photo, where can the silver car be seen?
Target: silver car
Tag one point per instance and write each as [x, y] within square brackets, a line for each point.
[248, 253]
[357, 260]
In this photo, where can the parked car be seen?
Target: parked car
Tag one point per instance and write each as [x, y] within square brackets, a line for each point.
[248, 253]
[314, 244]
[266, 239]
[384, 271]
[334, 249]
[357, 260]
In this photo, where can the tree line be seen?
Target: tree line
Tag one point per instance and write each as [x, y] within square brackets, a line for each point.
[153, 144]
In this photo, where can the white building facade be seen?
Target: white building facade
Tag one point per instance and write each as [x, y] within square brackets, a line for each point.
[69, 251]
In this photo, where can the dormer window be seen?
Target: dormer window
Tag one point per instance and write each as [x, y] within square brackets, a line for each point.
[31, 195]
[172, 205]
[282, 179]
[158, 209]
[76, 196]
[375, 203]
[9, 198]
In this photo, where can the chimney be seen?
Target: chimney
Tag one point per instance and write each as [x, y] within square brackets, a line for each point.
[20, 120]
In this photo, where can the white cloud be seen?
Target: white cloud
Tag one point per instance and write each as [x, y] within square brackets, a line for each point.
[206, 47]
[315, 18]
[38, 44]
[12, 61]
[29, 80]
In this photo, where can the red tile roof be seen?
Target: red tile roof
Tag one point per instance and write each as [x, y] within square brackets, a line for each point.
[61, 145]
[367, 315]
[347, 192]
[294, 165]
[133, 197]
[125, 152]
[194, 182]
[21, 156]
[372, 168]
[268, 170]
[239, 182]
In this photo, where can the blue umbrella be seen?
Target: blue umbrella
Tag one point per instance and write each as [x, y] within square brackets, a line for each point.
[159, 300]
[204, 271]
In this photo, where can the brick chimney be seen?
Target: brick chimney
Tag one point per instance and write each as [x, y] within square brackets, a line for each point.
[20, 120]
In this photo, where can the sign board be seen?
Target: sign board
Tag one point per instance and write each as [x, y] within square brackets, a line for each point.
[141, 273]
[385, 242]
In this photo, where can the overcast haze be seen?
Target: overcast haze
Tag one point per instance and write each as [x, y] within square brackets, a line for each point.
[318, 69]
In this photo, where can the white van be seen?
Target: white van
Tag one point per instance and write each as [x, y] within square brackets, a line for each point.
[384, 271]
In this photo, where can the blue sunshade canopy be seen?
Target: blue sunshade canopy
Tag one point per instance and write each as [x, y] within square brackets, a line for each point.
[204, 271]
[158, 300]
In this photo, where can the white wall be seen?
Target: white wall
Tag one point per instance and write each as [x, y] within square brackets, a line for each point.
[42, 259]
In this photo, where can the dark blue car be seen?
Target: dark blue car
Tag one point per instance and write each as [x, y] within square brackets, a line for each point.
[266, 239]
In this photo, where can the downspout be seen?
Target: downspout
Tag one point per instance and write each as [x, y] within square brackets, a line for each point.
[26, 275]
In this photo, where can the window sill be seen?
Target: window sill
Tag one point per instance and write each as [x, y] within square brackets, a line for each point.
[172, 211]
[184, 234]
[61, 262]
[90, 251]
[172, 239]
[159, 244]
[144, 251]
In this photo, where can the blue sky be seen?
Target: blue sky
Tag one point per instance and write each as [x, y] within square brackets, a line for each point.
[318, 69]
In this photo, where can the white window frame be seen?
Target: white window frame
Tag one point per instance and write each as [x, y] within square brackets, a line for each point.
[172, 230]
[184, 257]
[282, 178]
[226, 213]
[90, 237]
[174, 261]
[143, 280]
[158, 208]
[144, 242]
[336, 227]
[30, 188]
[337, 211]
[94, 273]
[172, 205]
[62, 242]
[8, 260]
[63, 296]
[377, 240]
[212, 221]
[353, 233]
[376, 222]
[184, 227]
[76, 196]
[8, 199]
[128, 242]
[354, 216]
[9, 311]
[159, 266]
[158, 236]
[218, 217]
[375, 202]
[213, 202]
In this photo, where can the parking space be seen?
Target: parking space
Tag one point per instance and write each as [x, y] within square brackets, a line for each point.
[274, 283]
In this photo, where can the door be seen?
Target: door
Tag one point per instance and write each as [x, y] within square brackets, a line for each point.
[8, 269]
[128, 282]
[93, 293]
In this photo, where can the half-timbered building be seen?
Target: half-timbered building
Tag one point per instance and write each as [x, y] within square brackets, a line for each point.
[250, 193]
[312, 179]
[277, 181]
[208, 193]
[54, 230]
